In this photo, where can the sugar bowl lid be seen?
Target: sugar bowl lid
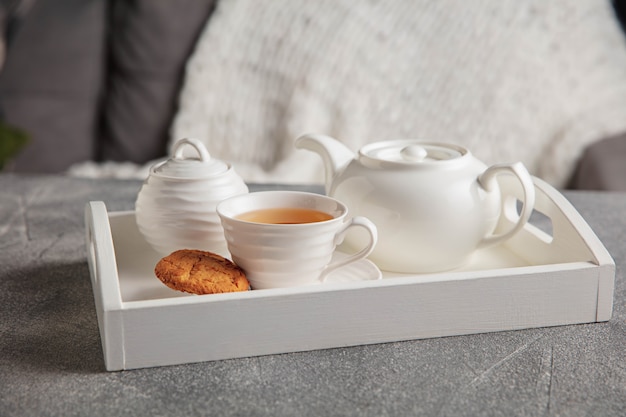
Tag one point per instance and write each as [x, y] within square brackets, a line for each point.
[181, 165]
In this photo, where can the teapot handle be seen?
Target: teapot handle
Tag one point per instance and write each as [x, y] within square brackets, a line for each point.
[196, 144]
[487, 180]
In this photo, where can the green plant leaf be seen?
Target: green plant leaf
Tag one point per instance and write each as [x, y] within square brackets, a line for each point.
[12, 140]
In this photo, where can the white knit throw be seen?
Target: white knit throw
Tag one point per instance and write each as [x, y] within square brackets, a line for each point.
[533, 80]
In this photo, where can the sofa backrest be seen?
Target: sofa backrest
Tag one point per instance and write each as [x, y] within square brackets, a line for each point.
[96, 79]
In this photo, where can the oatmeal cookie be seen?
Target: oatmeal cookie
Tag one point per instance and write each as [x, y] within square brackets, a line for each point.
[200, 272]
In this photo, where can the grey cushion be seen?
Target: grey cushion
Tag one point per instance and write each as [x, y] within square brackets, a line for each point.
[602, 166]
[51, 82]
[97, 79]
[150, 43]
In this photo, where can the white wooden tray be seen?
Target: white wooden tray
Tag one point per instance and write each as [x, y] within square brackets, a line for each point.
[536, 279]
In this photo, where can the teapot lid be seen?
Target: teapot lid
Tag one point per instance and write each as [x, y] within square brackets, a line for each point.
[411, 152]
[183, 166]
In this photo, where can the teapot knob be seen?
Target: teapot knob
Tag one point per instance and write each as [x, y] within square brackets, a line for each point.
[414, 153]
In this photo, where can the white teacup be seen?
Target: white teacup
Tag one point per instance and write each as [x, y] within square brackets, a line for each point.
[287, 238]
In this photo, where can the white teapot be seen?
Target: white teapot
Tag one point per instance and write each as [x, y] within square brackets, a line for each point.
[175, 207]
[434, 204]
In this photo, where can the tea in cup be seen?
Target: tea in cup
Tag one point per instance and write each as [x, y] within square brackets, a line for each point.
[288, 238]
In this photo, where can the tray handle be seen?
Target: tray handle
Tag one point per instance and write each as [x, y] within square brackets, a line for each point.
[571, 239]
[101, 255]
[105, 283]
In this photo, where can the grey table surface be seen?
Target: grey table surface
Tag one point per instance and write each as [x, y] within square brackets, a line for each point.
[51, 360]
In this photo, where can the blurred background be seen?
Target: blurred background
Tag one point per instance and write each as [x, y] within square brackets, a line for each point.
[89, 83]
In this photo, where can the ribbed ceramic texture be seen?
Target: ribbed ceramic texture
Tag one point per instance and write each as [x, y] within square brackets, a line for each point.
[175, 213]
[270, 262]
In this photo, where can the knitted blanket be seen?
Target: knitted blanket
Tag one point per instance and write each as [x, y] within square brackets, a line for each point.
[533, 81]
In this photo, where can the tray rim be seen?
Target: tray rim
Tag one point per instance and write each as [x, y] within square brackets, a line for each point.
[96, 211]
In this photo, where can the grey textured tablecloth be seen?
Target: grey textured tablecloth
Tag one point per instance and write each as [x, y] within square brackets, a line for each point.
[51, 359]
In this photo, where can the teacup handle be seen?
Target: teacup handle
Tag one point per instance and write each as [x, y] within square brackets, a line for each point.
[196, 144]
[357, 221]
[487, 180]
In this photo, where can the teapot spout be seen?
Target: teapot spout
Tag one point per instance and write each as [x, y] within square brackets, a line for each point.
[335, 155]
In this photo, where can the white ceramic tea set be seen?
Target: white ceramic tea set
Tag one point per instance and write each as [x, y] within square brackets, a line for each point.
[409, 206]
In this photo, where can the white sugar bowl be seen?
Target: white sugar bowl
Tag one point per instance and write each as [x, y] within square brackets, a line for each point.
[175, 207]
